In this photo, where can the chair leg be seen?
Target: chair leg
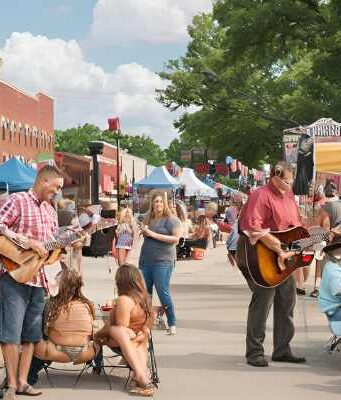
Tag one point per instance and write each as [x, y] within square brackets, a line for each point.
[128, 379]
[48, 375]
[153, 367]
[106, 377]
[85, 368]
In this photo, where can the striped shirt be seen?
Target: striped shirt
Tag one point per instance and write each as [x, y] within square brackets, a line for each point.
[23, 213]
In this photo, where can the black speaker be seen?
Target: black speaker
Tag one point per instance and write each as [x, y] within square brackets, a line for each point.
[108, 213]
[95, 148]
[101, 243]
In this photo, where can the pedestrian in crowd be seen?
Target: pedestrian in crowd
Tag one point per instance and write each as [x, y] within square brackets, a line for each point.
[29, 218]
[269, 208]
[328, 217]
[230, 214]
[125, 235]
[232, 239]
[186, 223]
[201, 233]
[129, 327]
[68, 220]
[182, 250]
[161, 233]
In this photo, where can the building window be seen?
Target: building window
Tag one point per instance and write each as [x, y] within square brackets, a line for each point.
[31, 137]
[3, 133]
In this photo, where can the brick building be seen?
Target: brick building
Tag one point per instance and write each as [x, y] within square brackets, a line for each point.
[26, 125]
[77, 176]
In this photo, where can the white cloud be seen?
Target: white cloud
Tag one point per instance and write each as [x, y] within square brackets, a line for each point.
[117, 22]
[83, 91]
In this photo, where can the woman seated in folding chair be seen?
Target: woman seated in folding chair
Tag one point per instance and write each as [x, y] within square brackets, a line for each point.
[68, 323]
[129, 327]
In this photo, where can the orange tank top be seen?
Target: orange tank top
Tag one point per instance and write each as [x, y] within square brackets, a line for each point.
[75, 320]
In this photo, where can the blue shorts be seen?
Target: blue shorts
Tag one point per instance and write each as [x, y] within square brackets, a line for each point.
[21, 312]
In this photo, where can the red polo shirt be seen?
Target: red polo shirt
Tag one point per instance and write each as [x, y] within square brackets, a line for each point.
[268, 210]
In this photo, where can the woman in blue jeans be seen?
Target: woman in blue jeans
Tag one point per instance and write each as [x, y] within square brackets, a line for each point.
[161, 233]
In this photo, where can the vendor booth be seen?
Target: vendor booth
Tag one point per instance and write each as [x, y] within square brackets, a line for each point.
[194, 186]
[159, 179]
[15, 176]
[315, 152]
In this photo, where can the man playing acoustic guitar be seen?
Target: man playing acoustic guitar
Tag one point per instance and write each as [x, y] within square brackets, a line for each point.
[28, 218]
[270, 208]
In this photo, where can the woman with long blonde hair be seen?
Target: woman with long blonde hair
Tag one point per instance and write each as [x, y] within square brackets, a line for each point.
[161, 232]
[125, 235]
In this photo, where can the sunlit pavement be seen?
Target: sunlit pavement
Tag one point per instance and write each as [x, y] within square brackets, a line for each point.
[205, 360]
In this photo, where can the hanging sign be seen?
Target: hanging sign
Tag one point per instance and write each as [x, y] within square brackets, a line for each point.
[324, 127]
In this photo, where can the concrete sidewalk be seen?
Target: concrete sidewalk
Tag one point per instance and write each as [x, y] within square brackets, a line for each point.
[205, 360]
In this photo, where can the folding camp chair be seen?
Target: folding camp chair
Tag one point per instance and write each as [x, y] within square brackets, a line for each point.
[154, 376]
[95, 365]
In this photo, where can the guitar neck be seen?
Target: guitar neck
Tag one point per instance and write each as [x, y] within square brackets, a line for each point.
[305, 243]
[62, 242]
[69, 239]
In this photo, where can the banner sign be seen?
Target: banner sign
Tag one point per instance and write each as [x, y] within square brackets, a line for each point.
[186, 155]
[324, 127]
[202, 169]
[290, 144]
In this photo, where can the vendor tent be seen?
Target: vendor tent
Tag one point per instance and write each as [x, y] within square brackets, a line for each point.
[159, 178]
[328, 158]
[194, 186]
[16, 176]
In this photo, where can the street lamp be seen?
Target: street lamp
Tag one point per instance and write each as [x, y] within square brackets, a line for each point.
[114, 126]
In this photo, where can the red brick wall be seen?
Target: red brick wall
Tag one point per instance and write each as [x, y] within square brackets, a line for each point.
[31, 112]
[109, 151]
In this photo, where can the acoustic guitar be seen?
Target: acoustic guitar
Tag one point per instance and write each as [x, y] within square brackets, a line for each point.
[263, 265]
[23, 264]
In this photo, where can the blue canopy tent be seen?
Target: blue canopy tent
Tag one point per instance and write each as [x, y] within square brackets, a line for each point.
[16, 176]
[159, 178]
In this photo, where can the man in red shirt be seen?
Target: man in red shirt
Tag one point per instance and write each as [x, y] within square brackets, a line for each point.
[270, 208]
[29, 218]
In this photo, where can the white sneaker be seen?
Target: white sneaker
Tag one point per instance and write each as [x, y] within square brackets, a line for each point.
[171, 330]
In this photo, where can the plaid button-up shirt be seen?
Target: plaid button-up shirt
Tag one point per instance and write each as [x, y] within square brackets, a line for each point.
[23, 213]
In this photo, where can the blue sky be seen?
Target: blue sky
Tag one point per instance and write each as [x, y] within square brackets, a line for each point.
[97, 58]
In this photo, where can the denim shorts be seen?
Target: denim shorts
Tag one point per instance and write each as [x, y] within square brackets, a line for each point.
[21, 311]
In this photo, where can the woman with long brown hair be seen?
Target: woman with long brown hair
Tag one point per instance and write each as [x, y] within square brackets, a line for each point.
[68, 323]
[161, 233]
[129, 326]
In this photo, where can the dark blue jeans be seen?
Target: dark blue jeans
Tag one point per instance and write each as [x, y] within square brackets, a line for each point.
[159, 274]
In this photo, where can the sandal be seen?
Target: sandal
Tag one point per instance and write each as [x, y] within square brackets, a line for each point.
[9, 394]
[143, 390]
[28, 390]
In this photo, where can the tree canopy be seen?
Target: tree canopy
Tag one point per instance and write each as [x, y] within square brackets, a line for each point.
[76, 140]
[253, 68]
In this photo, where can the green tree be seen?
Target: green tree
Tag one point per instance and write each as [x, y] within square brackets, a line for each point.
[254, 68]
[75, 140]
[139, 146]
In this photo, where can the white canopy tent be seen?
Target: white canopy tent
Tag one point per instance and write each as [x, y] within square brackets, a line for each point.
[194, 186]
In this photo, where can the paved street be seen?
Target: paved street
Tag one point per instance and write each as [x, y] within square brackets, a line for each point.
[205, 359]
